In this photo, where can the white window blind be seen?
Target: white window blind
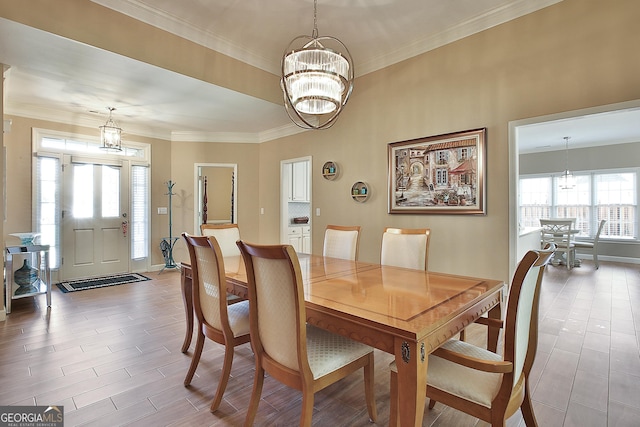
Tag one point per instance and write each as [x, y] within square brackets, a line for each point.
[139, 212]
[47, 210]
[609, 195]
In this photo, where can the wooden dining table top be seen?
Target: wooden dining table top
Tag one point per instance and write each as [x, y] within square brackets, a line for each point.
[405, 312]
[408, 300]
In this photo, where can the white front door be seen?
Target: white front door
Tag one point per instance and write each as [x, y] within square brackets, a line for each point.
[95, 237]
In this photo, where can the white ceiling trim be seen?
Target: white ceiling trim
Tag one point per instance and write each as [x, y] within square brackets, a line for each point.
[85, 120]
[95, 121]
[181, 28]
[235, 137]
[139, 11]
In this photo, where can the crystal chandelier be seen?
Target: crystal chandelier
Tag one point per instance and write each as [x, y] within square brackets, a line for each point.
[111, 134]
[567, 182]
[317, 78]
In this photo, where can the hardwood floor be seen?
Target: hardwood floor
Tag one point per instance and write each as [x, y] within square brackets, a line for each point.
[112, 356]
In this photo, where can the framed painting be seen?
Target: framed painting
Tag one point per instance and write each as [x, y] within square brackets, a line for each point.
[443, 174]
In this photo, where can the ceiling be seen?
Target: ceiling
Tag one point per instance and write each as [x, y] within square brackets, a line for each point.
[618, 126]
[54, 78]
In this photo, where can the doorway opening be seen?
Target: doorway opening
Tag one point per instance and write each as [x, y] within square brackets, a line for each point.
[295, 203]
[571, 123]
[216, 189]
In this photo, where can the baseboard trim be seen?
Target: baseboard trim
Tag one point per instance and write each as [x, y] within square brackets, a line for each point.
[624, 260]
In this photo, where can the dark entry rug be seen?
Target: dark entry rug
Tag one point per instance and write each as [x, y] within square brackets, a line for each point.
[100, 282]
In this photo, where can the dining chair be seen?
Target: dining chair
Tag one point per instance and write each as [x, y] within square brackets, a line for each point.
[593, 247]
[225, 324]
[479, 382]
[560, 232]
[298, 355]
[406, 247]
[226, 234]
[341, 242]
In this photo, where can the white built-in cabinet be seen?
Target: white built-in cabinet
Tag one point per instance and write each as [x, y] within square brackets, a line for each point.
[299, 182]
[300, 238]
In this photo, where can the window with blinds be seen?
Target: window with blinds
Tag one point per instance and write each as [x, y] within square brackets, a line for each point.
[139, 211]
[47, 215]
[597, 195]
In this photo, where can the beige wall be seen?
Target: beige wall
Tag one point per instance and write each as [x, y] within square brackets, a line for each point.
[573, 55]
[183, 157]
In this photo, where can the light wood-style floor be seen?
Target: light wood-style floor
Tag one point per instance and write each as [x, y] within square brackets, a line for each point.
[112, 357]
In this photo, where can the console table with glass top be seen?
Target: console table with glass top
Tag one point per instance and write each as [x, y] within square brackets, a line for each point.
[38, 255]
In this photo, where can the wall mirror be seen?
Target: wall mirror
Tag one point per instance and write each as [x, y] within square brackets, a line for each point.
[216, 190]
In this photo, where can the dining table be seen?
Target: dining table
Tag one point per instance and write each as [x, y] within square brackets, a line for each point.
[404, 312]
[562, 233]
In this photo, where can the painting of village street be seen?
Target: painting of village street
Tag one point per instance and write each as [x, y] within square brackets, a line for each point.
[440, 174]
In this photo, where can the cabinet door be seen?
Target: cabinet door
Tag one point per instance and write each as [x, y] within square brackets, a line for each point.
[290, 183]
[306, 243]
[296, 242]
[299, 184]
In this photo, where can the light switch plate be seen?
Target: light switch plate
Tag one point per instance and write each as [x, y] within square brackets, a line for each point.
[162, 211]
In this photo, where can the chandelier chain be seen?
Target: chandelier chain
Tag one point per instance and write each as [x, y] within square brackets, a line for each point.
[566, 157]
[314, 34]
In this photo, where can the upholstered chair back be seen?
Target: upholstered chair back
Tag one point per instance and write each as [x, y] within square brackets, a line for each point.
[226, 234]
[341, 242]
[408, 248]
[277, 307]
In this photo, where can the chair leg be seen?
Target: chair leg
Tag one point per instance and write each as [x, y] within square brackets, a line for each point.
[307, 407]
[188, 308]
[393, 400]
[527, 409]
[195, 359]
[369, 388]
[224, 377]
[258, 381]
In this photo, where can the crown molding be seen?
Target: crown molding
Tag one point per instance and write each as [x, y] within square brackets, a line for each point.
[141, 12]
[94, 121]
[237, 137]
[78, 119]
